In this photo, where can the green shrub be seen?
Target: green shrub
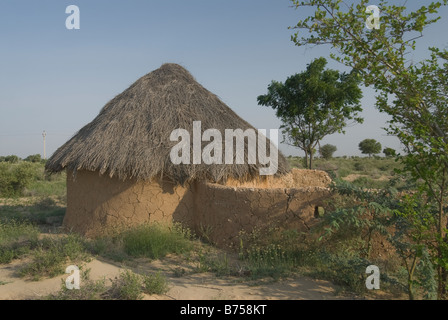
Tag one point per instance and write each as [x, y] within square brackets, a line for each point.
[11, 159]
[52, 256]
[359, 166]
[273, 260]
[155, 283]
[127, 286]
[156, 241]
[33, 158]
[14, 178]
[16, 239]
[89, 289]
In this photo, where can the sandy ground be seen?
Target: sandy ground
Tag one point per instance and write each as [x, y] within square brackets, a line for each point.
[191, 286]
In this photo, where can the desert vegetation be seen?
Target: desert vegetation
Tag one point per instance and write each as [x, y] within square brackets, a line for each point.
[337, 249]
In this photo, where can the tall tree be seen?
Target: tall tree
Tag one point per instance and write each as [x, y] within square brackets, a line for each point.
[414, 93]
[370, 146]
[327, 150]
[313, 104]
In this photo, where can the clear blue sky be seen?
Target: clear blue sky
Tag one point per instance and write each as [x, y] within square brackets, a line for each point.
[57, 80]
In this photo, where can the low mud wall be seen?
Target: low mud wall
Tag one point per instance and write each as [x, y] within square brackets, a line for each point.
[98, 204]
[223, 212]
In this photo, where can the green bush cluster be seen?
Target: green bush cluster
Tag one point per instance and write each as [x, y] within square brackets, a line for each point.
[14, 178]
[126, 286]
[28, 178]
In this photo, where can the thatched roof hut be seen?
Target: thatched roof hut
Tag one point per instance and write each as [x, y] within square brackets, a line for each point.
[130, 138]
[119, 169]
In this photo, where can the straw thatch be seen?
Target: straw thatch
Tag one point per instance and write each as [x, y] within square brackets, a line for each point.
[130, 138]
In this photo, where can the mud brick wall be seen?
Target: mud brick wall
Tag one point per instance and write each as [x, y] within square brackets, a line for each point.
[98, 204]
[223, 211]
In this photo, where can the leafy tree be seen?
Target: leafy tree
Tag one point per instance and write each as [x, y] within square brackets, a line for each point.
[313, 104]
[33, 158]
[414, 93]
[327, 150]
[389, 152]
[12, 159]
[369, 146]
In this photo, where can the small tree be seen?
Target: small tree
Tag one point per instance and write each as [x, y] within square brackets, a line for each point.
[369, 146]
[313, 104]
[12, 159]
[389, 152]
[33, 158]
[327, 150]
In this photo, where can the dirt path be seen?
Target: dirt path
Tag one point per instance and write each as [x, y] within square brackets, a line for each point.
[194, 286]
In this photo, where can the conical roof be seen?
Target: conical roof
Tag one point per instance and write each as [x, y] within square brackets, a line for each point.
[130, 137]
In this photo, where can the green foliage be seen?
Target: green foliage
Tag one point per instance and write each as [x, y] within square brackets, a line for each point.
[16, 239]
[155, 283]
[11, 159]
[126, 286]
[131, 286]
[389, 152]
[313, 104]
[33, 158]
[28, 179]
[15, 178]
[51, 256]
[413, 93]
[370, 147]
[38, 211]
[156, 241]
[270, 260]
[89, 289]
[403, 219]
[327, 150]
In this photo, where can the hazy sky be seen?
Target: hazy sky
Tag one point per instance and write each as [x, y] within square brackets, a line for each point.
[57, 80]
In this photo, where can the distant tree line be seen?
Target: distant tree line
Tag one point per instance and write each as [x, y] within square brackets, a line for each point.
[15, 159]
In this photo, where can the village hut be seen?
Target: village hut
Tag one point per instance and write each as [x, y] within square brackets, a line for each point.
[119, 169]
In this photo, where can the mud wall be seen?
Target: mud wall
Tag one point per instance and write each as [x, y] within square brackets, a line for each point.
[222, 212]
[98, 204]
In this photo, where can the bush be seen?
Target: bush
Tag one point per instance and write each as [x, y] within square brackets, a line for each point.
[52, 255]
[359, 166]
[131, 286]
[33, 158]
[155, 283]
[89, 290]
[15, 178]
[327, 150]
[127, 286]
[156, 241]
[16, 239]
[389, 152]
[11, 159]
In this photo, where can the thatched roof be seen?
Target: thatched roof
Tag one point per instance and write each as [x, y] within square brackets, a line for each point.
[130, 137]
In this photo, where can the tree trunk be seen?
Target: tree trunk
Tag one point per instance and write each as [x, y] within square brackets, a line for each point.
[306, 159]
[311, 159]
